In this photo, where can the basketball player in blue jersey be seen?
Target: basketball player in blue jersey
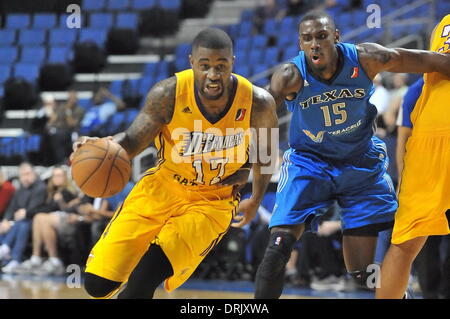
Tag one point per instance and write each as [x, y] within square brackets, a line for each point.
[333, 153]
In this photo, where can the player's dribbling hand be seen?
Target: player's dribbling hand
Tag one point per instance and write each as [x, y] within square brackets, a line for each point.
[237, 180]
[83, 140]
[248, 207]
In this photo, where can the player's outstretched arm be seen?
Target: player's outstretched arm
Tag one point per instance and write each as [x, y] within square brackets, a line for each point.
[263, 154]
[376, 58]
[285, 83]
[156, 113]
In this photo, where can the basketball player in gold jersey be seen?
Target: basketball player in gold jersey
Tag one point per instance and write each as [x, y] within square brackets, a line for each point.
[201, 120]
[425, 182]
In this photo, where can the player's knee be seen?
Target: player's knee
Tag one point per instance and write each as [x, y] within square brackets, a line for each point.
[99, 287]
[277, 254]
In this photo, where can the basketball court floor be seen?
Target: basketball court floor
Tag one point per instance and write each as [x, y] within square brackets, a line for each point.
[31, 287]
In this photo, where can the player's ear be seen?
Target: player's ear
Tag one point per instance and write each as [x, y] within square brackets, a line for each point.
[337, 36]
[191, 60]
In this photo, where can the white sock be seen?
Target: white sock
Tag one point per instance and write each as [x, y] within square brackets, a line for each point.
[55, 261]
[5, 249]
[36, 260]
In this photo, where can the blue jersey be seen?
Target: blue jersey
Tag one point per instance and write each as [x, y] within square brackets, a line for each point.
[409, 101]
[333, 119]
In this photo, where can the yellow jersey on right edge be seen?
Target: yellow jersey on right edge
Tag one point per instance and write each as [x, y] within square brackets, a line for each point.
[431, 109]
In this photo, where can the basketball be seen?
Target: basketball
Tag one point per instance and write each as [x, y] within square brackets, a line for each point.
[101, 168]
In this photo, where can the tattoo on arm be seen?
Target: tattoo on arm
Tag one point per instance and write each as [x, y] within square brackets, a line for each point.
[156, 113]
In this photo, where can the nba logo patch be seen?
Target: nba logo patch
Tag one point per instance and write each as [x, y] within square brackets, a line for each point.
[240, 114]
[355, 72]
[278, 241]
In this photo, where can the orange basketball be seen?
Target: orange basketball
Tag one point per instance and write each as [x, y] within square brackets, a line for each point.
[101, 168]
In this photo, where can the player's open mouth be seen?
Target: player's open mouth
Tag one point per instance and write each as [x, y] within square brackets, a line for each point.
[213, 88]
[315, 58]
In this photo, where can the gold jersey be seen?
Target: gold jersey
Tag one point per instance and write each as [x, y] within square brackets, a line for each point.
[195, 152]
[431, 110]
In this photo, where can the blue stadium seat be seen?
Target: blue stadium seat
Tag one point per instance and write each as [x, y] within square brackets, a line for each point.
[289, 53]
[29, 71]
[288, 25]
[285, 40]
[115, 123]
[143, 4]
[117, 5]
[59, 54]
[170, 4]
[181, 56]
[63, 37]
[93, 5]
[162, 69]
[33, 54]
[150, 69]
[44, 21]
[85, 103]
[259, 42]
[130, 115]
[145, 85]
[17, 21]
[20, 146]
[7, 37]
[243, 70]
[33, 143]
[96, 35]
[255, 56]
[32, 37]
[8, 55]
[2, 91]
[241, 56]
[245, 28]
[242, 44]
[5, 72]
[271, 27]
[115, 87]
[101, 20]
[247, 15]
[127, 20]
[233, 31]
[271, 56]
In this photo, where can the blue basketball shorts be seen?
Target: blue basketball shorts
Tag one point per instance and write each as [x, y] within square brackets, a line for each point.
[309, 185]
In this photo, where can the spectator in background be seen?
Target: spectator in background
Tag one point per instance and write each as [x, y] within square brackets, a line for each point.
[16, 224]
[6, 193]
[44, 113]
[397, 93]
[269, 10]
[63, 121]
[105, 104]
[298, 7]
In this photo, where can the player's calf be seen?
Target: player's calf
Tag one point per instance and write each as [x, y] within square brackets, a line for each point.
[99, 287]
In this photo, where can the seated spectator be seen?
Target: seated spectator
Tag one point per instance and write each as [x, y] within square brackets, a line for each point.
[63, 121]
[49, 228]
[6, 193]
[44, 113]
[105, 104]
[16, 224]
[397, 93]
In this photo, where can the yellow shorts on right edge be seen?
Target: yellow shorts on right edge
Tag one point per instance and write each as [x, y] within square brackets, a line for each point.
[424, 194]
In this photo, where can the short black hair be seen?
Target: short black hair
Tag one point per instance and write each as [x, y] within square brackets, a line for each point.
[317, 14]
[212, 38]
